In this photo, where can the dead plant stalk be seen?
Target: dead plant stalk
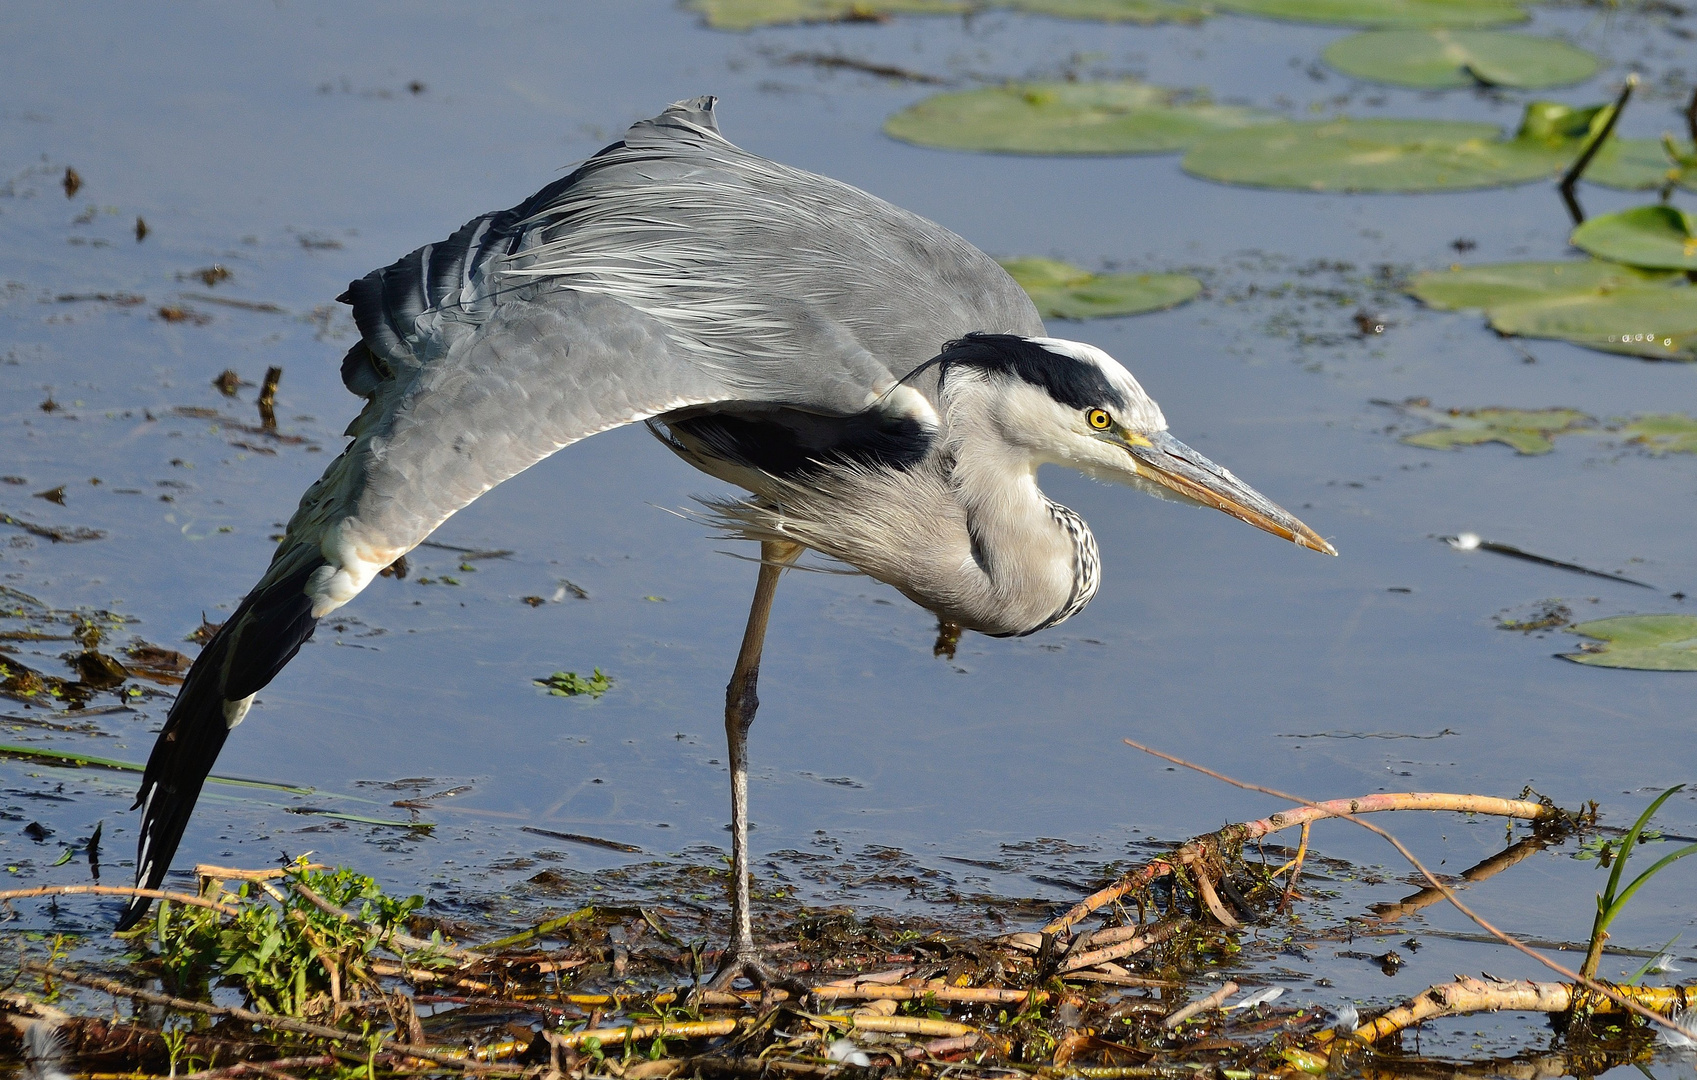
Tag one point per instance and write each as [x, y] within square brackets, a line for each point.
[1328, 810]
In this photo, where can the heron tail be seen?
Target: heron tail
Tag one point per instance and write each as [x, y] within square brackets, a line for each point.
[252, 646]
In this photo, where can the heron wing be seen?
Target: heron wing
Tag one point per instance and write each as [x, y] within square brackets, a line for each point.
[786, 286]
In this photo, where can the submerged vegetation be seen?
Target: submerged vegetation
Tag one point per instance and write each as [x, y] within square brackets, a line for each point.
[319, 972]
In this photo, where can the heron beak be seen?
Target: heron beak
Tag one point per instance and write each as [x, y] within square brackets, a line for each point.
[1166, 461]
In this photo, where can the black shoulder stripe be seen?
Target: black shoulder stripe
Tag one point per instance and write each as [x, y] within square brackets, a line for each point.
[791, 444]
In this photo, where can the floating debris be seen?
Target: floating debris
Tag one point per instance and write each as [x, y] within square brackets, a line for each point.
[571, 684]
[1468, 541]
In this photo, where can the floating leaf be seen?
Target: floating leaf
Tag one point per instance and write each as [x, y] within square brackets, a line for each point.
[1529, 431]
[1066, 118]
[1596, 304]
[1640, 642]
[1400, 155]
[1137, 11]
[1657, 237]
[748, 14]
[1441, 58]
[1643, 164]
[1384, 13]
[1663, 433]
[1373, 155]
[1062, 291]
[1656, 322]
[1508, 283]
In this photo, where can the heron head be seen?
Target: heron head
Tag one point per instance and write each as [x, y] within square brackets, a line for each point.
[1068, 403]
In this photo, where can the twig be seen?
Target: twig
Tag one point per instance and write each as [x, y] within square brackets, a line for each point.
[119, 890]
[1691, 117]
[1431, 879]
[935, 991]
[310, 1061]
[268, 398]
[399, 937]
[1154, 936]
[1577, 169]
[453, 1058]
[1295, 867]
[902, 1025]
[1309, 811]
[888, 71]
[230, 873]
[688, 1029]
[1212, 1001]
[1469, 995]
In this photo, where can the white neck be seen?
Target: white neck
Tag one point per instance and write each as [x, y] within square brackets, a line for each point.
[1024, 556]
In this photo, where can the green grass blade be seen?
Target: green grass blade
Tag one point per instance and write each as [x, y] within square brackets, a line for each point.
[1627, 843]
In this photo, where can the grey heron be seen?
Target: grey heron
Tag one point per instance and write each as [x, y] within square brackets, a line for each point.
[884, 391]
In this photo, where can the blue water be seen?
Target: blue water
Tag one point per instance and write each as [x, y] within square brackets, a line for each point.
[285, 143]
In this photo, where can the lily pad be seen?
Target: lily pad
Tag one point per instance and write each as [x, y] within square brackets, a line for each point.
[1643, 164]
[1657, 322]
[1639, 642]
[1657, 237]
[1662, 433]
[1384, 13]
[1063, 291]
[1529, 431]
[1495, 284]
[1374, 155]
[1596, 304]
[1066, 118]
[1138, 11]
[1442, 58]
[748, 14]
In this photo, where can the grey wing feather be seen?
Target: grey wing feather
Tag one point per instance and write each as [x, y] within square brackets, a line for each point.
[672, 270]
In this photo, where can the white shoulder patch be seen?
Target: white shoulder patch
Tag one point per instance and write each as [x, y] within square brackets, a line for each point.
[904, 400]
[351, 566]
[236, 711]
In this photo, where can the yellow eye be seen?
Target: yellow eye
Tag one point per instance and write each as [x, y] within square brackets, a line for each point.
[1099, 419]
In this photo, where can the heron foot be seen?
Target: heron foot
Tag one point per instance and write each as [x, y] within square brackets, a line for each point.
[746, 962]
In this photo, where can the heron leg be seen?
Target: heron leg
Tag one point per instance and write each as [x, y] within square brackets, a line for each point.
[741, 701]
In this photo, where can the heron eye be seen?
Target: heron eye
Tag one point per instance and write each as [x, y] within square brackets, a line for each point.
[1099, 419]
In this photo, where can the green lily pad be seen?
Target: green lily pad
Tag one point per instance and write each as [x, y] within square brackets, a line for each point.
[1384, 13]
[748, 14]
[1657, 322]
[1657, 237]
[1643, 164]
[1639, 642]
[1599, 305]
[1442, 58]
[1063, 291]
[1066, 118]
[1662, 433]
[1138, 11]
[1529, 431]
[1488, 286]
[1374, 155]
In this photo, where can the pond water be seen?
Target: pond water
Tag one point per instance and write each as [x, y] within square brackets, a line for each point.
[299, 145]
